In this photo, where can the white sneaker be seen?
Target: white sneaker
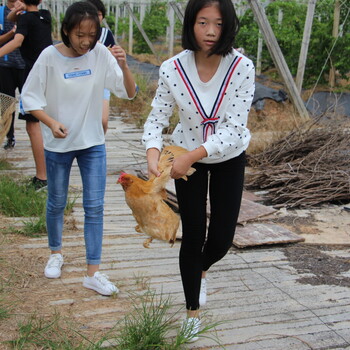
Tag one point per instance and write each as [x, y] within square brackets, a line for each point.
[53, 266]
[203, 292]
[190, 329]
[100, 283]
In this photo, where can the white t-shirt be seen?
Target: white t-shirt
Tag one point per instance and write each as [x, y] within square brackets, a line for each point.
[212, 114]
[70, 90]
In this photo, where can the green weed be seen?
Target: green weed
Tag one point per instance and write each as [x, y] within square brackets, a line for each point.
[50, 333]
[153, 325]
[5, 165]
[5, 305]
[19, 199]
[146, 327]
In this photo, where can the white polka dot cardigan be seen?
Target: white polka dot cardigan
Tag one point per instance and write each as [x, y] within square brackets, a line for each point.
[212, 114]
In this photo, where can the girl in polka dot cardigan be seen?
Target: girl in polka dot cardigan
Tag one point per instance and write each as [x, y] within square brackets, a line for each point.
[213, 86]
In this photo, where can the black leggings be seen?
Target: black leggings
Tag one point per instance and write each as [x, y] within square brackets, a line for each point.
[199, 250]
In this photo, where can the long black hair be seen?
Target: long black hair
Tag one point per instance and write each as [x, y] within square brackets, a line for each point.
[75, 14]
[229, 29]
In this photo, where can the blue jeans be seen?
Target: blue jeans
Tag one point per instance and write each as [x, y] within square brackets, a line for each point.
[92, 166]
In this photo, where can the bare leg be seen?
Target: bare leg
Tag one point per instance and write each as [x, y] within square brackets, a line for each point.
[193, 313]
[91, 269]
[36, 140]
[105, 114]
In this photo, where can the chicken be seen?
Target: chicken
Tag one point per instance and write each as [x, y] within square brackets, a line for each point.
[146, 199]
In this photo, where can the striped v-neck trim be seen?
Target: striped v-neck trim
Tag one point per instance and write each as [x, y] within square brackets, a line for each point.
[208, 121]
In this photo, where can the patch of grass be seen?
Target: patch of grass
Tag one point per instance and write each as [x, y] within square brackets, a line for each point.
[142, 281]
[5, 165]
[5, 305]
[139, 108]
[70, 204]
[34, 226]
[37, 332]
[19, 199]
[271, 124]
[146, 327]
[153, 325]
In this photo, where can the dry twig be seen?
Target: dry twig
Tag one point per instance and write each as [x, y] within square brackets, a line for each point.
[306, 168]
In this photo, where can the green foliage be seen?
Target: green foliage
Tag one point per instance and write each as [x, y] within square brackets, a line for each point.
[322, 41]
[150, 325]
[289, 34]
[34, 226]
[123, 25]
[147, 326]
[141, 105]
[20, 198]
[5, 305]
[111, 22]
[5, 165]
[53, 333]
[154, 24]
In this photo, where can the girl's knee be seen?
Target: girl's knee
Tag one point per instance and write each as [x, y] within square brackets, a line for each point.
[93, 210]
[55, 209]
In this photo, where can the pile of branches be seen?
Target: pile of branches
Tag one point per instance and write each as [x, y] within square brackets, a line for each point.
[308, 167]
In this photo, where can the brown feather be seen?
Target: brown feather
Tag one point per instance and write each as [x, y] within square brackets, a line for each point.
[146, 199]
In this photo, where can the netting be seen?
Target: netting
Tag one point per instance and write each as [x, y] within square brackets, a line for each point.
[7, 107]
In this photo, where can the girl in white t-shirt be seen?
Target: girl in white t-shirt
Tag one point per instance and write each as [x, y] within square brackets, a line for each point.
[64, 90]
[213, 86]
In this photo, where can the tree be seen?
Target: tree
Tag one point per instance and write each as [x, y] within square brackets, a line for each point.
[289, 33]
[154, 24]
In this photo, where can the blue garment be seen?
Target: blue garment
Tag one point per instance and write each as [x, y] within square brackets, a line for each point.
[92, 165]
[107, 39]
[14, 58]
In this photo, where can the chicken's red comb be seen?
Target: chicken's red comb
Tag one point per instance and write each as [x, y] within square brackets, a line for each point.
[122, 174]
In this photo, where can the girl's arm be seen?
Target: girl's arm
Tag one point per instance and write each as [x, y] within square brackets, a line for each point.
[7, 36]
[16, 11]
[152, 161]
[12, 45]
[129, 81]
[57, 128]
[182, 163]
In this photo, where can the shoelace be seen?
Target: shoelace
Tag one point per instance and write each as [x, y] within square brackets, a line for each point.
[54, 262]
[103, 278]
